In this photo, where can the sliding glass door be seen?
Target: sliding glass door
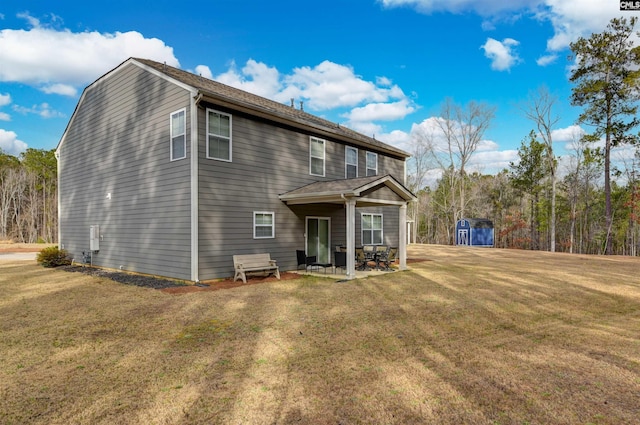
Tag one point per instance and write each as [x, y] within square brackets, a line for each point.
[318, 238]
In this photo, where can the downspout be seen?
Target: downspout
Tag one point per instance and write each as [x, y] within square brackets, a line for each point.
[195, 216]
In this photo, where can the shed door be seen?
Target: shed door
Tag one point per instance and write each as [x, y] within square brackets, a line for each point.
[463, 237]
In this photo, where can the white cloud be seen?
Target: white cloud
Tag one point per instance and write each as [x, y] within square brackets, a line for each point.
[397, 138]
[58, 60]
[43, 110]
[486, 8]
[492, 161]
[572, 20]
[381, 111]
[501, 53]
[327, 86]
[10, 144]
[62, 89]
[5, 99]
[330, 85]
[570, 134]
[368, 128]
[487, 146]
[204, 71]
[546, 60]
[255, 77]
[488, 158]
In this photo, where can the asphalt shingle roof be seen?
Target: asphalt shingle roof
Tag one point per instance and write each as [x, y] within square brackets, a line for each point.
[258, 103]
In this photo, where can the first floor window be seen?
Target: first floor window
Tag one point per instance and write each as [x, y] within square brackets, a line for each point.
[178, 135]
[218, 135]
[263, 225]
[351, 162]
[372, 164]
[371, 229]
[316, 157]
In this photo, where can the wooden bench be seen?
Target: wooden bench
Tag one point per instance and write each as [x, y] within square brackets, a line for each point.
[254, 263]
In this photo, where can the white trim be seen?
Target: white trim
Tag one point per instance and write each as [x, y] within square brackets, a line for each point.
[324, 155]
[350, 211]
[273, 224]
[338, 196]
[346, 161]
[362, 229]
[195, 205]
[59, 198]
[173, 136]
[157, 74]
[366, 164]
[230, 159]
[109, 74]
[402, 236]
[306, 231]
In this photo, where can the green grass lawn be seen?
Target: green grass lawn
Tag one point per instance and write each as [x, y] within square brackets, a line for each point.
[467, 336]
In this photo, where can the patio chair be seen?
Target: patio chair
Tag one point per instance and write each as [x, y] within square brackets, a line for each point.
[340, 260]
[369, 252]
[381, 254]
[361, 259]
[303, 260]
[391, 258]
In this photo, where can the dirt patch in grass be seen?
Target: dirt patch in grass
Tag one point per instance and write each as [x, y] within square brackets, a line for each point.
[170, 286]
[228, 284]
[472, 336]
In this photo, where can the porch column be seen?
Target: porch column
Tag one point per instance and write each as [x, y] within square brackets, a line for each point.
[350, 205]
[402, 234]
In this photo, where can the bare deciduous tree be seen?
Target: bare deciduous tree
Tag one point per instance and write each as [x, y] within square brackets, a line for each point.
[540, 109]
[463, 129]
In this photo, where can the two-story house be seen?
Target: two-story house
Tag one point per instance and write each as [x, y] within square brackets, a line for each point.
[168, 173]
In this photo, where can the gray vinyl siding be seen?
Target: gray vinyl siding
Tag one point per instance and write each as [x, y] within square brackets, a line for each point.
[268, 160]
[118, 143]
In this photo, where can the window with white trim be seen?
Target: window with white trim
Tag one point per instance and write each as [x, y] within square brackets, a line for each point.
[264, 225]
[372, 164]
[351, 162]
[218, 135]
[372, 229]
[316, 157]
[178, 129]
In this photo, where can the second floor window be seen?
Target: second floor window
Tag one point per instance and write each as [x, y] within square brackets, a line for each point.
[316, 157]
[218, 135]
[351, 162]
[372, 164]
[178, 135]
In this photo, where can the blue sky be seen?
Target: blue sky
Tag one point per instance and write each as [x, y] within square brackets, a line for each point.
[381, 67]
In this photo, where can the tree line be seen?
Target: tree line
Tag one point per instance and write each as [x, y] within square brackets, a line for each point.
[29, 196]
[590, 205]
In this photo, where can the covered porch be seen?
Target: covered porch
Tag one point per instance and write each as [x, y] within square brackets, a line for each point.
[374, 191]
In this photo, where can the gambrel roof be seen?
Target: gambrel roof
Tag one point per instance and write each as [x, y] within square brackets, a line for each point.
[256, 105]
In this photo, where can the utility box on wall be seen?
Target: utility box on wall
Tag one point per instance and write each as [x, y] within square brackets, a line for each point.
[94, 238]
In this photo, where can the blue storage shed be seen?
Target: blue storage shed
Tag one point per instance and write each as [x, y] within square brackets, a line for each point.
[474, 232]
